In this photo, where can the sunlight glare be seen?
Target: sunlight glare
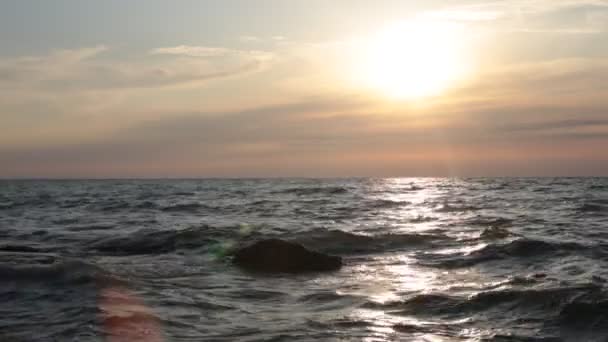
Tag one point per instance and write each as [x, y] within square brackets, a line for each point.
[414, 59]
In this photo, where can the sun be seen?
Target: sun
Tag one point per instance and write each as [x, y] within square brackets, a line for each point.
[414, 59]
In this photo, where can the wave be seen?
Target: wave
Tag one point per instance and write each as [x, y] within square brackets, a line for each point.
[341, 242]
[328, 296]
[257, 294]
[597, 187]
[452, 330]
[116, 206]
[422, 219]
[593, 208]
[149, 195]
[38, 201]
[184, 193]
[323, 300]
[386, 203]
[67, 271]
[449, 208]
[90, 228]
[74, 203]
[148, 241]
[517, 338]
[585, 314]
[7, 206]
[560, 301]
[185, 207]
[275, 203]
[498, 222]
[495, 232]
[135, 318]
[146, 205]
[65, 221]
[302, 191]
[22, 249]
[216, 240]
[520, 248]
[529, 247]
[523, 280]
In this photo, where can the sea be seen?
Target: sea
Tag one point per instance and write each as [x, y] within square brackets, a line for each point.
[425, 259]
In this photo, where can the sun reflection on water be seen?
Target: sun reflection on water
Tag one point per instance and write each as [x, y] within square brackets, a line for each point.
[415, 207]
[410, 196]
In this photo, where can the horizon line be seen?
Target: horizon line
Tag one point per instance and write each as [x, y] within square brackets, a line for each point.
[278, 177]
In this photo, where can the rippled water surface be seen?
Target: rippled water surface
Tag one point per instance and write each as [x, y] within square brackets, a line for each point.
[513, 259]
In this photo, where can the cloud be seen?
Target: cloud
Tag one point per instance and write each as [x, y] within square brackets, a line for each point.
[327, 136]
[569, 124]
[564, 82]
[193, 51]
[552, 112]
[568, 17]
[45, 97]
[463, 14]
[249, 39]
[532, 16]
[86, 69]
[209, 52]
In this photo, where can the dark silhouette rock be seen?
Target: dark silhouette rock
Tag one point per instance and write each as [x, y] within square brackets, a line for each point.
[275, 255]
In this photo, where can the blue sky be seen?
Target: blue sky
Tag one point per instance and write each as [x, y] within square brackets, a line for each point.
[147, 88]
[28, 26]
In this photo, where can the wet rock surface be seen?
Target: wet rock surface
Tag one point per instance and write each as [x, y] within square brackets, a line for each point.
[276, 255]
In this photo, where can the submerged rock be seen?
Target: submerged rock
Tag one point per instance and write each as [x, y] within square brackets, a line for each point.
[275, 255]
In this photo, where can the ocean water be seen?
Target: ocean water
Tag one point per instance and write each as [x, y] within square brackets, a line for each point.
[426, 259]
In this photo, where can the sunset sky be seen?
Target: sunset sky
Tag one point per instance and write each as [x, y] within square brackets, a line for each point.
[265, 88]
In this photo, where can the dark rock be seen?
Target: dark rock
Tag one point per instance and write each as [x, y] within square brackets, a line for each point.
[275, 255]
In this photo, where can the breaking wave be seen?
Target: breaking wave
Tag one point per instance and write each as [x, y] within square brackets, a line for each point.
[563, 302]
[341, 242]
[148, 241]
[518, 248]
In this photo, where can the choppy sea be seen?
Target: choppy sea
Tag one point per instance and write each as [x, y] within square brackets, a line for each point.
[426, 259]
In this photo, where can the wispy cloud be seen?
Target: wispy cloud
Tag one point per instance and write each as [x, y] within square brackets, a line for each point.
[256, 140]
[465, 14]
[551, 125]
[193, 51]
[548, 110]
[82, 69]
[249, 39]
[532, 16]
[207, 52]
